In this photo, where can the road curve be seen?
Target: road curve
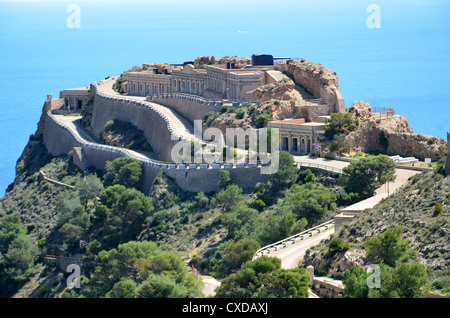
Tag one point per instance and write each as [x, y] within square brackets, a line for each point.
[292, 254]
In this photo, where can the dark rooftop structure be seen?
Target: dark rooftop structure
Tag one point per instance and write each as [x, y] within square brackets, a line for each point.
[262, 59]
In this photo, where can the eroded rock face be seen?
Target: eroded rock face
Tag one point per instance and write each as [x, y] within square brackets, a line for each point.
[337, 264]
[202, 61]
[318, 81]
[280, 90]
[391, 136]
[237, 60]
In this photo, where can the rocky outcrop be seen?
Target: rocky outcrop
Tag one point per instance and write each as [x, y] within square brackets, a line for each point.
[318, 81]
[334, 265]
[202, 61]
[238, 61]
[280, 90]
[391, 135]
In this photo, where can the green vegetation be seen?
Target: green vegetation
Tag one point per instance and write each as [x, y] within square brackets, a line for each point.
[397, 278]
[364, 176]
[124, 134]
[337, 245]
[18, 254]
[139, 269]
[387, 248]
[264, 278]
[340, 123]
[136, 245]
[124, 171]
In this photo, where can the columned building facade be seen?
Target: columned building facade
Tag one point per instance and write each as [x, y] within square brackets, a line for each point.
[297, 136]
[216, 81]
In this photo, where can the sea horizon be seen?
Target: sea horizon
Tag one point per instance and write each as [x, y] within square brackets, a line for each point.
[401, 65]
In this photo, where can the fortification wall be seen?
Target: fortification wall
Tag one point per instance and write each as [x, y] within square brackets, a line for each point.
[191, 108]
[190, 177]
[146, 119]
[57, 140]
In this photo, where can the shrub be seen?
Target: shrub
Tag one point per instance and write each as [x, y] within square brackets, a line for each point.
[337, 245]
[240, 114]
[262, 120]
[259, 205]
[438, 208]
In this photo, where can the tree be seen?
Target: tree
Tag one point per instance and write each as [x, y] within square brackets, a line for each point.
[123, 289]
[355, 282]
[241, 218]
[264, 278]
[283, 283]
[306, 176]
[278, 224]
[224, 179]
[339, 145]
[412, 280]
[366, 175]
[121, 215]
[89, 188]
[262, 120]
[18, 254]
[286, 174]
[139, 269]
[238, 253]
[310, 201]
[340, 123]
[124, 171]
[337, 245]
[229, 197]
[388, 247]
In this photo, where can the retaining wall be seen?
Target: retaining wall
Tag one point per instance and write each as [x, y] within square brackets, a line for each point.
[190, 177]
[189, 107]
[153, 126]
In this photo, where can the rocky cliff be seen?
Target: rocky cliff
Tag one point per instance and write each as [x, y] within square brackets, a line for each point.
[317, 80]
[391, 135]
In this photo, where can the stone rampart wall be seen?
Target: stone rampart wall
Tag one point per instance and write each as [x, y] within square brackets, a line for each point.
[153, 126]
[189, 107]
[190, 177]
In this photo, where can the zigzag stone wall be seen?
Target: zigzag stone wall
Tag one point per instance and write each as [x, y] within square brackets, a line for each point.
[190, 107]
[190, 177]
[152, 125]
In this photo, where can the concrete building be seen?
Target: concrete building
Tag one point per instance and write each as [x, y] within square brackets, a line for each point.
[75, 98]
[299, 137]
[223, 81]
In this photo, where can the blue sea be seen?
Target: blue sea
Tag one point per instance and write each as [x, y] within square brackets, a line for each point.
[403, 63]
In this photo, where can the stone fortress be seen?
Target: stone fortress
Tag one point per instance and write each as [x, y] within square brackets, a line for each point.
[236, 84]
[164, 101]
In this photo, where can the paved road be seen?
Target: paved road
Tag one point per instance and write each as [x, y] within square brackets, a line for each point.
[292, 254]
[402, 174]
